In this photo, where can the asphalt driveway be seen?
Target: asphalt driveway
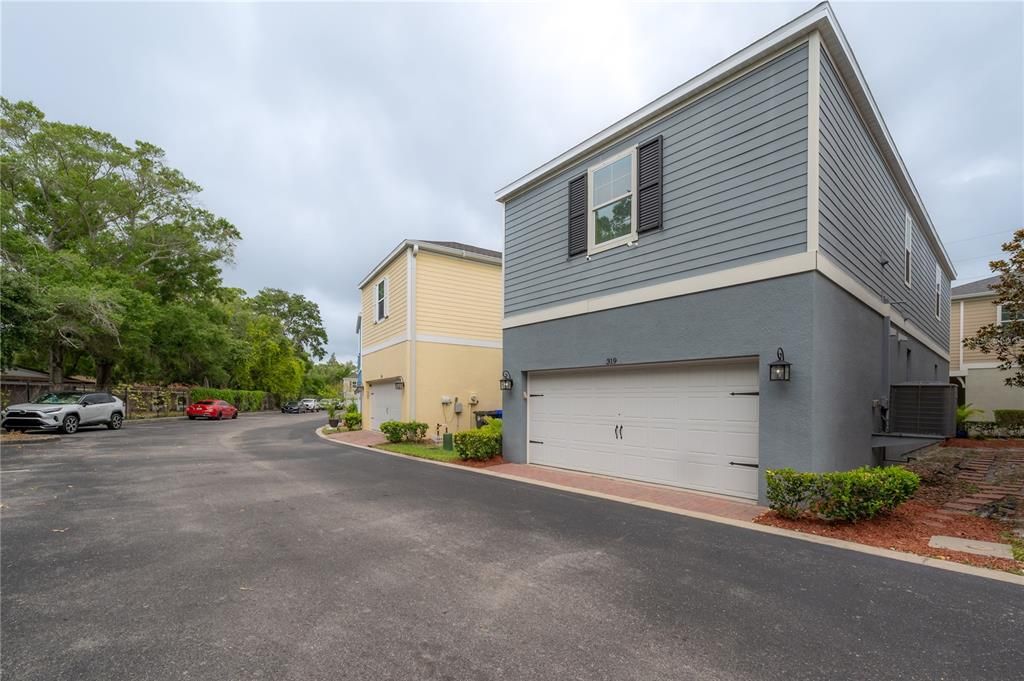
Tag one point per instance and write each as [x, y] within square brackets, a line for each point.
[250, 549]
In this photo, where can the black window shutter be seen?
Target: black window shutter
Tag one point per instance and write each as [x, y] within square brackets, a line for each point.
[578, 215]
[649, 185]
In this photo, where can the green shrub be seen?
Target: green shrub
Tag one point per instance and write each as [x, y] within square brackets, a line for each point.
[352, 408]
[840, 496]
[1011, 421]
[964, 413]
[789, 491]
[396, 431]
[491, 425]
[479, 444]
[244, 400]
[353, 420]
[1009, 418]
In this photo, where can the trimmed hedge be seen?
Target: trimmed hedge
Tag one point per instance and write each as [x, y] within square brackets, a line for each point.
[244, 400]
[411, 431]
[1011, 420]
[480, 444]
[840, 496]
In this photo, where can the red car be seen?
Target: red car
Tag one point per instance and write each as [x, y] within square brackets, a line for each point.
[211, 409]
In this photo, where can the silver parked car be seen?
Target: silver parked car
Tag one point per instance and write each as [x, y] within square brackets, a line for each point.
[64, 412]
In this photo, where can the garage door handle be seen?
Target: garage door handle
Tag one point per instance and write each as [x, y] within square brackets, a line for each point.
[748, 393]
[745, 465]
[618, 432]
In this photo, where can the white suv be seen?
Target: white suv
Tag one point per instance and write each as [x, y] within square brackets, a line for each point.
[309, 404]
[64, 412]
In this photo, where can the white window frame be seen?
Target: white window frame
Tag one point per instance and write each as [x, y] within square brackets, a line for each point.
[999, 316]
[377, 300]
[630, 238]
[908, 247]
[938, 291]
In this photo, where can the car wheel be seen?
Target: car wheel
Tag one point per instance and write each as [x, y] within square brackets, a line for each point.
[235, 415]
[115, 422]
[70, 424]
[191, 418]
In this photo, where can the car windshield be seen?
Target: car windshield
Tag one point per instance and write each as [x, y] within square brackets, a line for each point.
[58, 398]
[205, 402]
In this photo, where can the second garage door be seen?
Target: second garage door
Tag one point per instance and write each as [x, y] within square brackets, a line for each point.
[687, 425]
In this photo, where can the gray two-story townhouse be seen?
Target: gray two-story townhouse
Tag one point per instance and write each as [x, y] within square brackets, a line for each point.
[726, 281]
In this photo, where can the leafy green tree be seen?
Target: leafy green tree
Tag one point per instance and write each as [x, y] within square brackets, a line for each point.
[95, 223]
[1006, 340]
[299, 315]
[271, 362]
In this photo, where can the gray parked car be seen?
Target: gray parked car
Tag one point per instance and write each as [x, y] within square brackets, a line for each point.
[64, 412]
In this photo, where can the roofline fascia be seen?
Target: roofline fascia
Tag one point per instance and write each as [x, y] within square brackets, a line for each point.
[820, 18]
[968, 296]
[432, 248]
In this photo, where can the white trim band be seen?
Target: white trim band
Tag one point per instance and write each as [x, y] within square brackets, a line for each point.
[454, 340]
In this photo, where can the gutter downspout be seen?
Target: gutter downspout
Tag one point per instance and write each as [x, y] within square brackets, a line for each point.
[886, 372]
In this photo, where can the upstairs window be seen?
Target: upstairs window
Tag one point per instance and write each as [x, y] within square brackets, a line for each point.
[1009, 313]
[382, 299]
[612, 218]
[616, 199]
[938, 292]
[908, 243]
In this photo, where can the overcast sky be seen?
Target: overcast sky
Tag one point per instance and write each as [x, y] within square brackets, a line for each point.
[330, 132]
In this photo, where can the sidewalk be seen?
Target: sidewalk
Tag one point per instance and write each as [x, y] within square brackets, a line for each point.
[634, 491]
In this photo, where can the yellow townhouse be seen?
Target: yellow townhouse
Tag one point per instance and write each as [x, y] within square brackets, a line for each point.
[981, 382]
[430, 335]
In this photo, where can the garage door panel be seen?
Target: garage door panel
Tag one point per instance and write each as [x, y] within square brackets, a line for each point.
[680, 425]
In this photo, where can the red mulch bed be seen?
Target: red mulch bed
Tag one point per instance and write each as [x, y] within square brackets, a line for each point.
[496, 461]
[995, 443]
[908, 529]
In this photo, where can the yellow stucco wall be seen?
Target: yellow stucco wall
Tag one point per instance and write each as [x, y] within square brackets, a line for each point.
[457, 371]
[387, 363]
[456, 297]
[375, 332]
[986, 390]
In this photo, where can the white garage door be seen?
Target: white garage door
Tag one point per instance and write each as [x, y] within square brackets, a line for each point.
[385, 403]
[671, 424]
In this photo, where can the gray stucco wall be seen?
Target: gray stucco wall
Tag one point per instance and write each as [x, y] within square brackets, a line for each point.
[735, 192]
[821, 420]
[863, 211]
[850, 341]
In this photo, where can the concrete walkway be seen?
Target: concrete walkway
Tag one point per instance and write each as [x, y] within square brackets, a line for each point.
[635, 491]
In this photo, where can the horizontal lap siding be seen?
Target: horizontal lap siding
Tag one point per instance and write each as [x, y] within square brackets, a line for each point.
[735, 192]
[456, 297]
[978, 312]
[395, 324]
[862, 215]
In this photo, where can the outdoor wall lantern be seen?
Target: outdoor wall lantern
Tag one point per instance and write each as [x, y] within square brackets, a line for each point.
[779, 369]
[400, 384]
[506, 381]
[358, 388]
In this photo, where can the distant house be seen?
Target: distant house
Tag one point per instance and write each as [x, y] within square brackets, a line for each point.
[430, 335]
[667, 275]
[19, 384]
[982, 383]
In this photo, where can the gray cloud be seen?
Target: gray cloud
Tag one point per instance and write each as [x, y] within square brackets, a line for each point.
[328, 133]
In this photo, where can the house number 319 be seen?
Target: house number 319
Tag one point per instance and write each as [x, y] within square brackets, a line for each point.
[611, 360]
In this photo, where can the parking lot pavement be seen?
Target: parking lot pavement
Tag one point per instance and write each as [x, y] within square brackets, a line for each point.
[251, 549]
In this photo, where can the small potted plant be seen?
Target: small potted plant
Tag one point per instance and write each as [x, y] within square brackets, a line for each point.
[963, 413]
[332, 415]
